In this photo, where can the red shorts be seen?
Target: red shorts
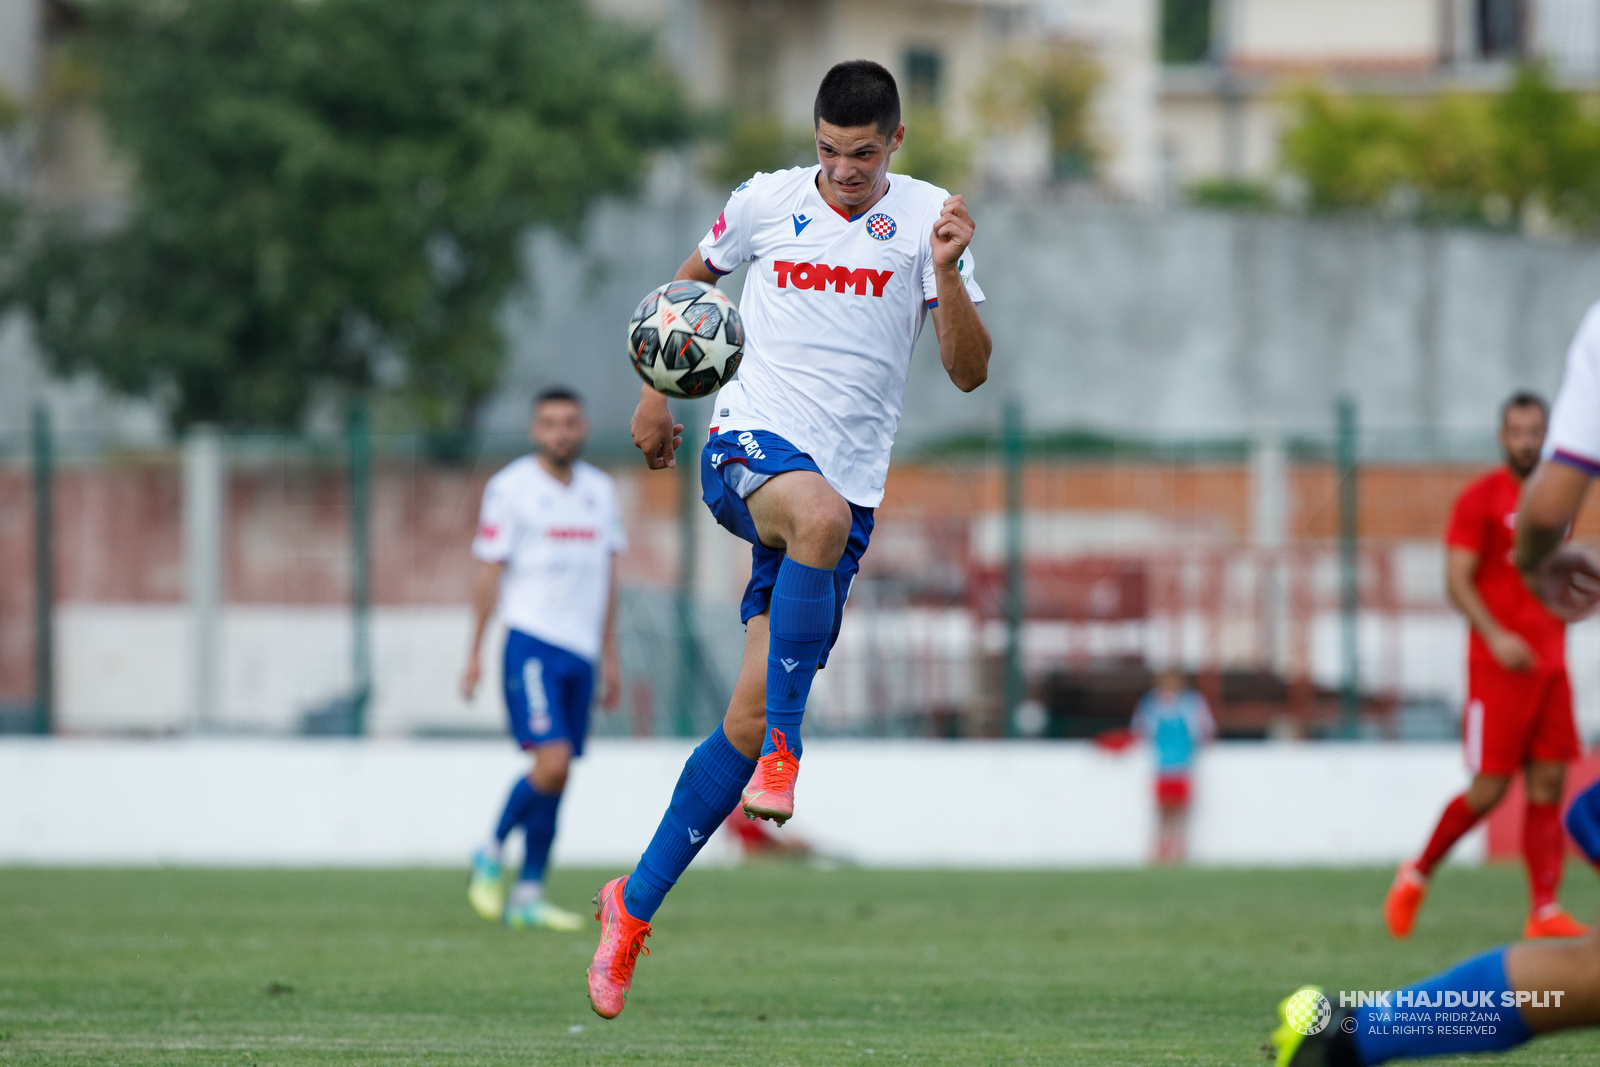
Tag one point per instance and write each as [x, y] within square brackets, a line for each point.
[1516, 716]
[1172, 790]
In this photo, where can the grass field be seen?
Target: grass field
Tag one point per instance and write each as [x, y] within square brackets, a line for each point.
[771, 965]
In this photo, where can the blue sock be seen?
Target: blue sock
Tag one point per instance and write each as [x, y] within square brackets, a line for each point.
[801, 620]
[1471, 996]
[707, 791]
[522, 795]
[1583, 822]
[539, 832]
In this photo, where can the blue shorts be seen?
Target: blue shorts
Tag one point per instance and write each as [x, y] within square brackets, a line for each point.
[735, 464]
[548, 690]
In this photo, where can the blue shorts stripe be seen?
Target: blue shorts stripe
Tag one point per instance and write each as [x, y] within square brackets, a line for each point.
[548, 691]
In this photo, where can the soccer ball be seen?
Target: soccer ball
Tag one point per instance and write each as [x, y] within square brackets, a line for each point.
[686, 339]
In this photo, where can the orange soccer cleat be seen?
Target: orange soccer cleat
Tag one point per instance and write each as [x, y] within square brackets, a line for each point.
[1552, 921]
[1404, 900]
[621, 940]
[770, 794]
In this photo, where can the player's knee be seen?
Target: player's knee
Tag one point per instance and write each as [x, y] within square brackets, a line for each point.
[550, 769]
[1546, 782]
[823, 528]
[1485, 792]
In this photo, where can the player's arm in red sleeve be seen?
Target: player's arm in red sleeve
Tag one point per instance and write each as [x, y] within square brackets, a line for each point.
[1463, 544]
[1508, 649]
[1563, 575]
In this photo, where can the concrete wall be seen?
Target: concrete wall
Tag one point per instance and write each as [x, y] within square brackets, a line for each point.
[1001, 804]
[1126, 320]
[1136, 322]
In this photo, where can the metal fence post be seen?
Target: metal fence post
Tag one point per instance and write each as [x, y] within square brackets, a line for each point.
[1015, 605]
[204, 495]
[1349, 573]
[43, 575]
[359, 446]
[689, 668]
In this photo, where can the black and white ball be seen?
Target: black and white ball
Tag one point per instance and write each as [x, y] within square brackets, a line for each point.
[686, 339]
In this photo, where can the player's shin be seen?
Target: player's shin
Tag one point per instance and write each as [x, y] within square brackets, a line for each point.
[707, 790]
[800, 622]
[539, 833]
[1544, 850]
[517, 805]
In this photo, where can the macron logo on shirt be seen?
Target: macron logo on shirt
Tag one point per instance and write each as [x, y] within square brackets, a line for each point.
[800, 223]
[819, 276]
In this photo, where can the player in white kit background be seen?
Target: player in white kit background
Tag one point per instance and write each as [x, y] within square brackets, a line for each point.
[847, 262]
[548, 536]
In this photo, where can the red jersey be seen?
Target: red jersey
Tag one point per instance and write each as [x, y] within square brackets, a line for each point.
[1485, 522]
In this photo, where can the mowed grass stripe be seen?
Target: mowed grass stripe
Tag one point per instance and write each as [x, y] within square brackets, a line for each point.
[770, 964]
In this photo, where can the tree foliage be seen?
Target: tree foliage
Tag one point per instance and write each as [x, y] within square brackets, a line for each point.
[333, 194]
[1488, 158]
[929, 152]
[1053, 84]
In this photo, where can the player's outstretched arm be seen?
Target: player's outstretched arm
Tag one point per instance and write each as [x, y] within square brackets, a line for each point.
[1565, 576]
[654, 432]
[964, 343]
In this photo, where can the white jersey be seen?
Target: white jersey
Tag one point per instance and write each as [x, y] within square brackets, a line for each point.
[1574, 435]
[556, 542]
[832, 309]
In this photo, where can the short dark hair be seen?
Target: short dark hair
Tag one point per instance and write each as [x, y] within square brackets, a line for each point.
[858, 92]
[1522, 398]
[558, 392]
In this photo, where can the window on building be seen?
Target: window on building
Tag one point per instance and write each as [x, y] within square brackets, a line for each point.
[1500, 28]
[1185, 31]
[922, 77]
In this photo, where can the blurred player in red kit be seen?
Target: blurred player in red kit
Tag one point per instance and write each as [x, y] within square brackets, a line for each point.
[1519, 701]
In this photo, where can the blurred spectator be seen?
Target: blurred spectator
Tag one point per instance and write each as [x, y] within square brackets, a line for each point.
[1176, 721]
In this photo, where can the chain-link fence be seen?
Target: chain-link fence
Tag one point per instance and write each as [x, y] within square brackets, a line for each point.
[1016, 585]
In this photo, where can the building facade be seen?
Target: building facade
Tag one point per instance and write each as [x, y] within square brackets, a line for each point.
[1222, 108]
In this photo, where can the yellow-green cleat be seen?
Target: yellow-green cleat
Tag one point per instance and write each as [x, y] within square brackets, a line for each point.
[486, 887]
[1311, 1032]
[540, 914]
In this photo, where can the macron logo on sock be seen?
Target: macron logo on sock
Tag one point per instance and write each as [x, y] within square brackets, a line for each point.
[789, 665]
[695, 837]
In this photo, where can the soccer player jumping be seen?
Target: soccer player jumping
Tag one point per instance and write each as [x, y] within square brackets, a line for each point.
[847, 260]
[1512, 993]
[1519, 703]
[548, 536]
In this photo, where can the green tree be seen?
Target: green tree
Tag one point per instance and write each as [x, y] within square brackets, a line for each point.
[334, 194]
[1463, 156]
[1054, 84]
[930, 153]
